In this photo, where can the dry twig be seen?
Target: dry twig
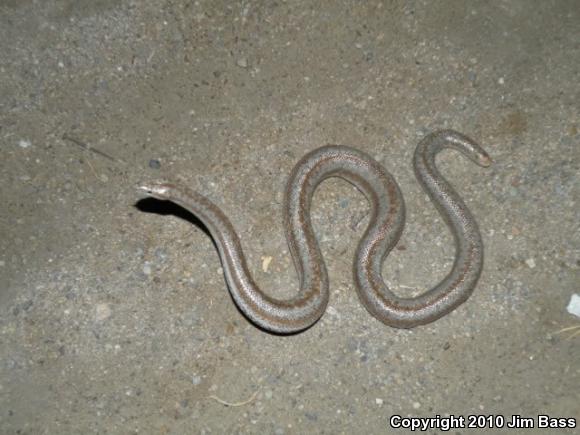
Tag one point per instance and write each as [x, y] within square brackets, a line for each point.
[235, 404]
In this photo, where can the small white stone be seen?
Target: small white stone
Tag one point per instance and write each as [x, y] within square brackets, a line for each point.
[332, 311]
[266, 260]
[531, 263]
[147, 269]
[501, 81]
[196, 380]
[416, 405]
[102, 312]
[574, 305]
[242, 62]
[379, 401]
[24, 143]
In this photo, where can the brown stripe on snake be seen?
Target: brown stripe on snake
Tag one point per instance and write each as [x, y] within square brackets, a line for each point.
[387, 219]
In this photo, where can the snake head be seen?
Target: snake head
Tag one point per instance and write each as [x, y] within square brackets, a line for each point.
[467, 146]
[157, 189]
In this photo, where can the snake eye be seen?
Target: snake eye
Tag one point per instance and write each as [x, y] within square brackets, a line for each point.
[147, 191]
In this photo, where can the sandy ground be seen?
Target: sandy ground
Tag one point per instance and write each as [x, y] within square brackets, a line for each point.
[115, 317]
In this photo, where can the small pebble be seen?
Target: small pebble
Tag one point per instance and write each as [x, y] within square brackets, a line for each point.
[268, 394]
[161, 254]
[147, 269]
[266, 260]
[311, 416]
[196, 380]
[379, 401]
[416, 405]
[242, 62]
[574, 305]
[24, 143]
[154, 164]
[531, 263]
[102, 312]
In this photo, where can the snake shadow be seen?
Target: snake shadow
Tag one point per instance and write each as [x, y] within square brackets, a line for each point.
[164, 208]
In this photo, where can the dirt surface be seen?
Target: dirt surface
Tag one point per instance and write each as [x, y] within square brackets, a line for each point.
[114, 315]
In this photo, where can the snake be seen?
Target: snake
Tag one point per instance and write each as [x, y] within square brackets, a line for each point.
[384, 229]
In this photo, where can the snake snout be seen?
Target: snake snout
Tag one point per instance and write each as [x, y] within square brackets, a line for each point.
[467, 146]
[155, 190]
[485, 160]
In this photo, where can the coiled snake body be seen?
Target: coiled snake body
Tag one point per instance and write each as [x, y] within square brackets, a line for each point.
[387, 218]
